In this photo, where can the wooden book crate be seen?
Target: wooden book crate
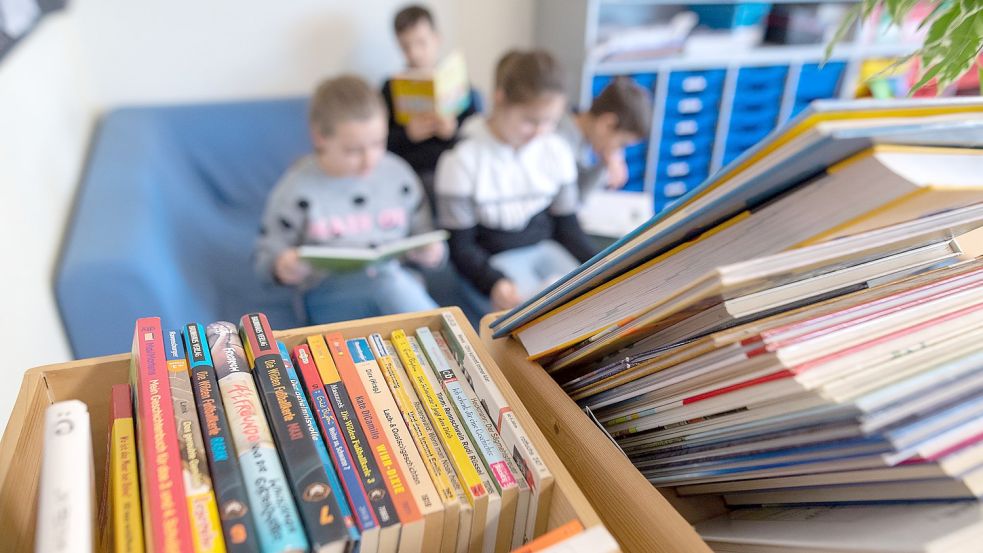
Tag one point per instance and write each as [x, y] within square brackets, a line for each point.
[642, 518]
[90, 380]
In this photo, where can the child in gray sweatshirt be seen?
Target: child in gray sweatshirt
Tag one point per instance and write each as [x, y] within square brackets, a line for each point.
[349, 193]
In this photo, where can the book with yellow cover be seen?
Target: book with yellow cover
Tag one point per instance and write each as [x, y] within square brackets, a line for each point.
[445, 91]
[407, 456]
[206, 527]
[450, 435]
[125, 521]
[435, 460]
[493, 526]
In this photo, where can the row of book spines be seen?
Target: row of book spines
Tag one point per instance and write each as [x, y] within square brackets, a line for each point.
[317, 501]
[244, 319]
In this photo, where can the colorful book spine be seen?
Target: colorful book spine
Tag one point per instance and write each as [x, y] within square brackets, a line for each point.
[125, 520]
[278, 524]
[407, 456]
[318, 506]
[66, 499]
[234, 508]
[162, 489]
[467, 512]
[524, 493]
[524, 453]
[358, 443]
[329, 468]
[411, 535]
[490, 455]
[494, 498]
[451, 436]
[206, 530]
[354, 490]
[437, 464]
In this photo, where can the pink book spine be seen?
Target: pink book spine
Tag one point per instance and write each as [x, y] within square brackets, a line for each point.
[170, 529]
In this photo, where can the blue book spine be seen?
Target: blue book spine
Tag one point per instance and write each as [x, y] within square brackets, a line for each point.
[305, 409]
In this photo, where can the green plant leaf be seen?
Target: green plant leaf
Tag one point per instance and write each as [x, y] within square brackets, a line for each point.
[851, 16]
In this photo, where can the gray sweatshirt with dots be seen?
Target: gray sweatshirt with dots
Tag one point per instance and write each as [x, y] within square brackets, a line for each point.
[308, 206]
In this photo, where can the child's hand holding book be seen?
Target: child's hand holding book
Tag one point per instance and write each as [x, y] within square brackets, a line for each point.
[290, 269]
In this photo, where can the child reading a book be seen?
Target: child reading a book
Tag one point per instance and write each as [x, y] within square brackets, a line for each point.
[508, 191]
[349, 193]
[421, 141]
[619, 117]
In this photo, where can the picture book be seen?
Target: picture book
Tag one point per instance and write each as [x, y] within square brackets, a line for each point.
[350, 259]
[445, 91]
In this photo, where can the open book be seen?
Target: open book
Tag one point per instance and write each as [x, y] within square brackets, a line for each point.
[445, 91]
[350, 259]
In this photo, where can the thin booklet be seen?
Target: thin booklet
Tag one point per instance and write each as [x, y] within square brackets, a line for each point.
[350, 259]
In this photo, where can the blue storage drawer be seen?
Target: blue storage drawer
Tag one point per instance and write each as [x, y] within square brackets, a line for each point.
[691, 106]
[645, 80]
[761, 79]
[816, 82]
[675, 187]
[767, 101]
[683, 147]
[753, 120]
[677, 169]
[704, 125]
[696, 82]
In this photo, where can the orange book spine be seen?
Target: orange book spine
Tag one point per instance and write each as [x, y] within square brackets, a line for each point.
[382, 450]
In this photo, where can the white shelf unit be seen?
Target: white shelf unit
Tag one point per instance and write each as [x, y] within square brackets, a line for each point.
[569, 28]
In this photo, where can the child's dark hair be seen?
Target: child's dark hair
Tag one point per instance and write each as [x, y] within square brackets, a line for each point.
[341, 99]
[524, 76]
[629, 101]
[410, 16]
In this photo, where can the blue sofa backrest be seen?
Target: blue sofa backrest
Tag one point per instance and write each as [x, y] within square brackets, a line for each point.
[166, 218]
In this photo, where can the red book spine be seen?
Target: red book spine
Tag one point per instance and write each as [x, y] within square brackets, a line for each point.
[167, 516]
[383, 452]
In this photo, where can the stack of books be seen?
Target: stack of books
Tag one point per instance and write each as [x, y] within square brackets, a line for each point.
[801, 335]
[226, 440]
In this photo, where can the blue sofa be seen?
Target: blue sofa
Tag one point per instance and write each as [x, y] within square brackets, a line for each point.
[166, 216]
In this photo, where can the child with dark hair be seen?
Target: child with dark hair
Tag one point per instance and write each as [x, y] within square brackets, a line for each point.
[618, 117]
[508, 191]
[350, 192]
[426, 136]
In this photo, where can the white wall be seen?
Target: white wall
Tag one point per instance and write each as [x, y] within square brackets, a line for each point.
[46, 117]
[105, 53]
[159, 51]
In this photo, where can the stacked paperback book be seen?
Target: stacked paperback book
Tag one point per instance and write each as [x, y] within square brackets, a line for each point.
[227, 440]
[801, 335]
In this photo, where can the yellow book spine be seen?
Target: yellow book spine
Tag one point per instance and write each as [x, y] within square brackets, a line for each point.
[426, 447]
[127, 525]
[322, 359]
[414, 371]
[202, 507]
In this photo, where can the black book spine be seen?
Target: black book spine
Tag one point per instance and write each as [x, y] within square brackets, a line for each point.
[368, 469]
[306, 474]
[227, 481]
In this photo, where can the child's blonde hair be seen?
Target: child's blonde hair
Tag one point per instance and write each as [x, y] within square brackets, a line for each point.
[523, 76]
[341, 99]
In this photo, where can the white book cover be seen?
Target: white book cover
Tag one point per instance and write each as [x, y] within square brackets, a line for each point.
[913, 528]
[66, 498]
[595, 539]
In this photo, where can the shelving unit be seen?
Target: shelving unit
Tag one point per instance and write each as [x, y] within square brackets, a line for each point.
[708, 107]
